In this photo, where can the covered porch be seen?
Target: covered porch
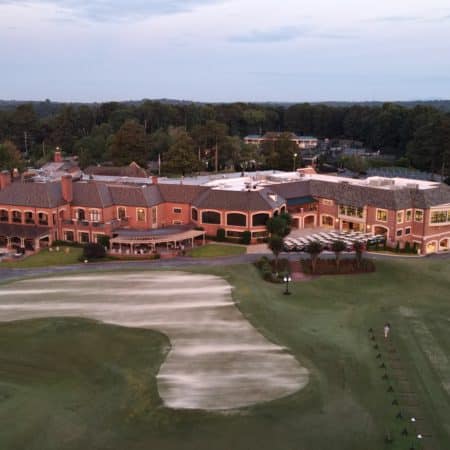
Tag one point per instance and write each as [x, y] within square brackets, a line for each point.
[24, 238]
[164, 240]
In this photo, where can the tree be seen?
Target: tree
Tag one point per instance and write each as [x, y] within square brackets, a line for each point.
[181, 157]
[129, 144]
[314, 249]
[358, 246]
[276, 246]
[10, 157]
[280, 225]
[338, 247]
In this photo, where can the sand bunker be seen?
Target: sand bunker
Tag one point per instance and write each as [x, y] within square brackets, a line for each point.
[218, 360]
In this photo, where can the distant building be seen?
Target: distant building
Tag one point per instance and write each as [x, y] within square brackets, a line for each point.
[133, 170]
[303, 142]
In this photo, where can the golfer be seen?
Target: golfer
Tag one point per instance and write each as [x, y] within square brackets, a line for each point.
[387, 329]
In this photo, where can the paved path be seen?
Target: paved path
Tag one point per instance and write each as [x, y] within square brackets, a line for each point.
[7, 274]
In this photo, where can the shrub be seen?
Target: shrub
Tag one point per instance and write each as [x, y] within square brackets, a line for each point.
[397, 247]
[220, 235]
[93, 251]
[103, 240]
[408, 247]
[246, 237]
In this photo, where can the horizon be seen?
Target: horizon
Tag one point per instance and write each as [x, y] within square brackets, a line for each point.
[225, 51]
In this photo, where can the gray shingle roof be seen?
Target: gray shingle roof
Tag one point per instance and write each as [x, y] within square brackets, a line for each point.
[91, 194]
[39, 195]
[259, 200]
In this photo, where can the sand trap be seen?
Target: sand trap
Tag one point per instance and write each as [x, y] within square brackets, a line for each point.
[218, 360]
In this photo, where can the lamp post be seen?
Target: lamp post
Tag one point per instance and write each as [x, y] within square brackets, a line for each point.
[287, 279]
[294, 158]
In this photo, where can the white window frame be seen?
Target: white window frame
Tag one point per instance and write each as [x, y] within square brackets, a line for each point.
[137, 215]
[402, 216]
[381, 210]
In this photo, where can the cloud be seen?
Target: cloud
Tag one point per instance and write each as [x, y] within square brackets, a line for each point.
[281, 34]
[284, 34]
[117, 10]
[396, 19]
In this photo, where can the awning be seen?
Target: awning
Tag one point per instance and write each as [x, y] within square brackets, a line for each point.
[301, 201]
[160, 236]
[23, 231]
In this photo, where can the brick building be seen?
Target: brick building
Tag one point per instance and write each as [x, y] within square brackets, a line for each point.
[139, 216]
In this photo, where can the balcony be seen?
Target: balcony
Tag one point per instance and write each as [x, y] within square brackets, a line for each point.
[17, 220]
[29, 221]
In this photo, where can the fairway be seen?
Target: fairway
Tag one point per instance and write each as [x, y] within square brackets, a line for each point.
[82, 384]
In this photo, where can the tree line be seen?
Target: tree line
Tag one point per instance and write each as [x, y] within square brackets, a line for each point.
[188, 137]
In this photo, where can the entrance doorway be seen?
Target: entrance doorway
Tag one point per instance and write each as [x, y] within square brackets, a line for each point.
[352, 226]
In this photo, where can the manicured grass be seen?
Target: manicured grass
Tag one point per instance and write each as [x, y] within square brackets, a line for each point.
[46, 258]
[75, 384]
[216, 250]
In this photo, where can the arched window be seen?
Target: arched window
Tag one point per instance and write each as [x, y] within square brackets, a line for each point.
[43, 218]
[81, 215]
[211, 217]
[17, 217]
[4, 215]
[260, 220]
[237, 219]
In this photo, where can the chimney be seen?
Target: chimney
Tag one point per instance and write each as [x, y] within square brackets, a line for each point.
[57, 156]
[155, 180]
[66, 188]
[5, 179]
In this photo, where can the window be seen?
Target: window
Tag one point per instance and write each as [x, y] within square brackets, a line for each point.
[16, 216]
[154, 216]
[382, 215]
[94, 215]
[140, 215]
[438, 216]
[351, 211]
[81, 215]
[43, 218]
[29, 217]
[325, 201]
[260, 220]
[121, 213]
[408, 230]
[260, 234]
[408, 215]
[68, 236]
[399, 233]
[283, 209]
[4, 215]
[194, 214]
[418, 215]
[84, 238]
[211, 217]
[399, 216]
[177, 222]
[327, 221]
[236, 219]
[177, 210]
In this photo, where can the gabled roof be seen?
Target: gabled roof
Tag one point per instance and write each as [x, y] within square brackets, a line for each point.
[145, 196]
[180, 193]
[133, 170]
[256, 200]
[91, 194]
[38, 195]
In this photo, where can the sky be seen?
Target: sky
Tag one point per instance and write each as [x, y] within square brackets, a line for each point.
[225, 50]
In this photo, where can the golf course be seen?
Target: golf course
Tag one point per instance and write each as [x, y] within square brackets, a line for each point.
[80, 368]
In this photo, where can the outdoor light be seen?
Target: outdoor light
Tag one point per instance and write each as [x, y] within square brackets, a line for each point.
[287, 279]
[413, 419]
[294, 158]
[419, 436]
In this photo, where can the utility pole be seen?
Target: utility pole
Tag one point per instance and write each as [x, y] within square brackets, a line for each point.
[25, 138]
[217, 157]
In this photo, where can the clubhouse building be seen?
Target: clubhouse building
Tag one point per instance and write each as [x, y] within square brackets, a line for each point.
[139, 216]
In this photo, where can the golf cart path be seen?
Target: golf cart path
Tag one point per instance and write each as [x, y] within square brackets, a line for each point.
[217, 361]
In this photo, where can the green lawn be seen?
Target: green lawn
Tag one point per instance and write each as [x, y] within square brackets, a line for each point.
[216, 250]
[46, 258]
[76, 384]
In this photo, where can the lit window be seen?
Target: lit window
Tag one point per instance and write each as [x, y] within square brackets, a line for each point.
[121, 213]
[382, 215]
[418, 215]
[399, 216]
[154, 216]
[439, 216]
[408, 215]
[140, 214]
